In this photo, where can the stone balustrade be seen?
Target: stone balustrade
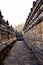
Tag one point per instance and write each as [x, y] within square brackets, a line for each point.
[5, 48]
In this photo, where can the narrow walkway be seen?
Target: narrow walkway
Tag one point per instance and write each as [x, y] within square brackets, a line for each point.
[20, 55]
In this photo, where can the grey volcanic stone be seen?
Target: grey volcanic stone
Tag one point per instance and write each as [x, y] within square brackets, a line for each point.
[19, 55]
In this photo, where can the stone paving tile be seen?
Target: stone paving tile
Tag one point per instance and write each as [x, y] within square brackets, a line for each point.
[19, 55]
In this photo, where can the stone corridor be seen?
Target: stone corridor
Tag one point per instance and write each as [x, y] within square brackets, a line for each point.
[20, 54]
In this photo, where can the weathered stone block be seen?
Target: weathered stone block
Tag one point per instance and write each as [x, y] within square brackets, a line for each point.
[33, 42]
[38, 28]
[42, 37]
[38, 37]
[30, 41]
[41, 44]
[42, 24]
[37, 43]
[42, 30]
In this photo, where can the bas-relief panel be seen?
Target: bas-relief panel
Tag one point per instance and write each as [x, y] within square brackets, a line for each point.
[35, 35]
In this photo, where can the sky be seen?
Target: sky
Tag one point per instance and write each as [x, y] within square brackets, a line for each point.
[15, 11]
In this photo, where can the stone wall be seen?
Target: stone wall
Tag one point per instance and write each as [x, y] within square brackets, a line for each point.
[35, 35]
[33, 28]
[5, 47]
[7, 32]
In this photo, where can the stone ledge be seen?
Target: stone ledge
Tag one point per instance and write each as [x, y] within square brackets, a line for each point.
[5, 48]
[6, 43]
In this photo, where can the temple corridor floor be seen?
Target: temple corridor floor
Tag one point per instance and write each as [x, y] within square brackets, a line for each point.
[20, 55]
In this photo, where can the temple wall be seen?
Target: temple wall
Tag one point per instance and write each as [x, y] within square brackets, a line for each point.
[33, 28]
[5, 37]
[35, 35]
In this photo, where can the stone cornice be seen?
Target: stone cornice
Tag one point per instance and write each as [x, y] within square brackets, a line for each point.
[34, 14]
[35, 9]
[38, 20]
[37, 14]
